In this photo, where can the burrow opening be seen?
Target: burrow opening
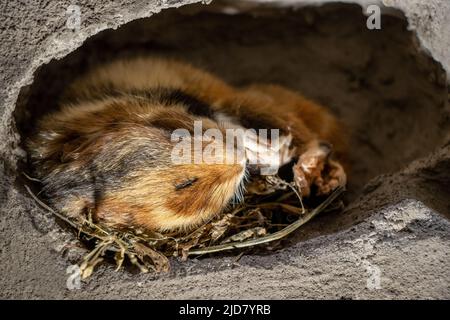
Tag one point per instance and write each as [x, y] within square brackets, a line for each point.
[390, 94]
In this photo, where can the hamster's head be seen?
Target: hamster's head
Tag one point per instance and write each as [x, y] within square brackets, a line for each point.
[136, 165]
[180, 173]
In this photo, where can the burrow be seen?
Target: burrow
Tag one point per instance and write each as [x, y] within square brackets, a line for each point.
[390, 94]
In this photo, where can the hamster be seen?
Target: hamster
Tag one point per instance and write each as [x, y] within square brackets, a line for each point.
[108, 150]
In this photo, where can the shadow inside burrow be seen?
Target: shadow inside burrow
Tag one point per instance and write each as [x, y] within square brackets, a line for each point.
[392, 96]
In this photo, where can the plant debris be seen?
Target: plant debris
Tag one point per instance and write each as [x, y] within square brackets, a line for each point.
[272, 209]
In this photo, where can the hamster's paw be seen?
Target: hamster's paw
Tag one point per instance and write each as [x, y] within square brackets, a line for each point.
[314, 167]
[333, 176]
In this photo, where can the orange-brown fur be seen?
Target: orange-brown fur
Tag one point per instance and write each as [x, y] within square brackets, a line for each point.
[107, 150]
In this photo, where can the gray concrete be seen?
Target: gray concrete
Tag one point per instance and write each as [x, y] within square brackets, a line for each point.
[398, 248]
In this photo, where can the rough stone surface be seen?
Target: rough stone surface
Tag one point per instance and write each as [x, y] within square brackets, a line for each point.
[430, 19]
[393, 241]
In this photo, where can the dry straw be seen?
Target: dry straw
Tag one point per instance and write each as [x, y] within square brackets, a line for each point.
[263, 217]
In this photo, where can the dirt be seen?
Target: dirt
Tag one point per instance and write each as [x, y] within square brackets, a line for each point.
[392, 97]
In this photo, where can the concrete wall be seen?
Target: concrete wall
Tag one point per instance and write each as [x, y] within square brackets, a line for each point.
[407, 241]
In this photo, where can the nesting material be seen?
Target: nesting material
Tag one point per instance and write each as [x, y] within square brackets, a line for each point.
[271, 210]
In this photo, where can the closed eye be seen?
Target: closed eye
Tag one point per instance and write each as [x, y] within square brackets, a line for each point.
[187, 183]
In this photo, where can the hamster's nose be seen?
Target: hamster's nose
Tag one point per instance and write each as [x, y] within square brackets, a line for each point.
[325, 147]
[252, 169]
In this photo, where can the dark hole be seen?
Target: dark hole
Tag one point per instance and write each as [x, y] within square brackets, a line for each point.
[392, 96]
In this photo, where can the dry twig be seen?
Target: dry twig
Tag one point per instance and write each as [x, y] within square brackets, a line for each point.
[258, 220]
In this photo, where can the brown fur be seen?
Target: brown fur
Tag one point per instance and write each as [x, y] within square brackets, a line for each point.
[108, 149]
